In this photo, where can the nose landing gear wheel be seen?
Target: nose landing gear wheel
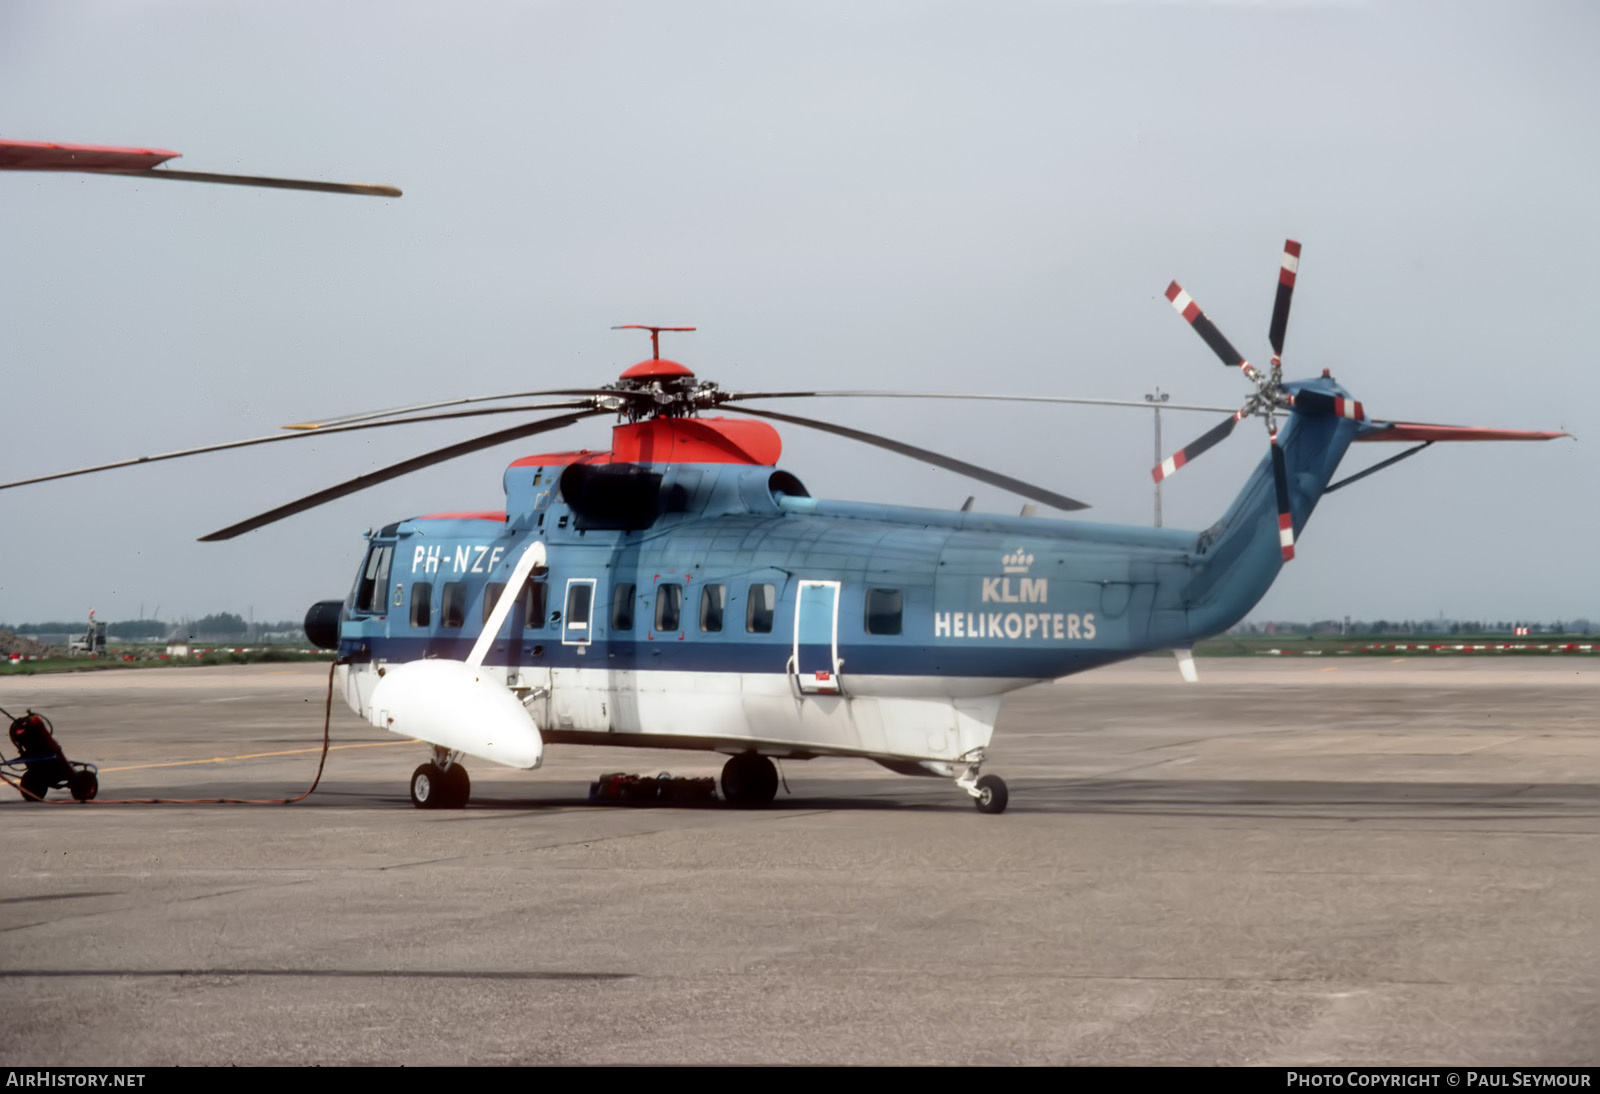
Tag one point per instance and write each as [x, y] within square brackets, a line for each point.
[749, 779]
[992, 795]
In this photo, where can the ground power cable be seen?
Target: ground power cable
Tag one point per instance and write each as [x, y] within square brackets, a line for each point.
[327, 721]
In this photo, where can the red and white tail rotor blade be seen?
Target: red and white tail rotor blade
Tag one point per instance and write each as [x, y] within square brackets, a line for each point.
[1213, 436]
[1280, 479]
[1207, 330]
[1280, 307]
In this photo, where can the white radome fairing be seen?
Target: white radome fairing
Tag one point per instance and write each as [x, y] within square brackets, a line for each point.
[457, 706]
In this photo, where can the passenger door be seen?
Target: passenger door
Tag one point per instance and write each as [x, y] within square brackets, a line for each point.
[815, 657]
[577, 617]
[579, 690]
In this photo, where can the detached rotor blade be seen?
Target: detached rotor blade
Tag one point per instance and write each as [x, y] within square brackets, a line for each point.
[1280, 481]
[370, 189]
[394, 471]
[1207, 330]
[1213, 436]
[1423, 431]
[740, 396]
[1280, 307]
[1319, 403]
[960, 467]
[372, 415]
[246, 443]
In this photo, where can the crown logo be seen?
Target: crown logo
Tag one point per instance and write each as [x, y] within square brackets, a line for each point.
[1016, 563]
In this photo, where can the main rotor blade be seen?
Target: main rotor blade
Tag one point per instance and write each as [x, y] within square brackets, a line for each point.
[371, 415]
[960, 467]
[739, 396]
[99, 159]
[246, 443]
[1280, 482]
[370, 189]
[1280, 306]
[394, 471]
[1207, 330]
[1213, 436]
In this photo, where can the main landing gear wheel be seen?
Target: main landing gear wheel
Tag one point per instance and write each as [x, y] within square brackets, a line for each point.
[992, 795]
[435, 787]
[749, 779]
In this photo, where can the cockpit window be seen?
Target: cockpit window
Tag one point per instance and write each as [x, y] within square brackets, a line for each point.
[374, 583]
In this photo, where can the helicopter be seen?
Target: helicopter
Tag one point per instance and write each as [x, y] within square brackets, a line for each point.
[679, 590]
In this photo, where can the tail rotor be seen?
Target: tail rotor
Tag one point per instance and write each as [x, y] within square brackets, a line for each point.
[1269, 400]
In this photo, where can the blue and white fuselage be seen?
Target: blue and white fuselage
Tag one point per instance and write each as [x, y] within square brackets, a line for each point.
[707, 602]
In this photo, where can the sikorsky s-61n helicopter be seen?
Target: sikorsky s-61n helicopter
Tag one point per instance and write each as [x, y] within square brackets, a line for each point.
[679, 590]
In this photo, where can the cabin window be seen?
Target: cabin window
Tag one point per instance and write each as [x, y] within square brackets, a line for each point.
[713, 598]
[763, 603]
[884, 609]
[453, 604]
[535, 604]
[422, 604]
[669, 607]
[622, 608]
[491, 597]
[578, 598]
[374, 580]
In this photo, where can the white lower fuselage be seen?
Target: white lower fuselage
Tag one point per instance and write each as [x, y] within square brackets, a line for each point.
[905, 719]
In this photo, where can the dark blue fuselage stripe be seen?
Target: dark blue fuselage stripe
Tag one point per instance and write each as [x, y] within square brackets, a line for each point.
[1011, 660]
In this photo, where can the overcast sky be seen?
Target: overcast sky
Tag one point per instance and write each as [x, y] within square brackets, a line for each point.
[946, 196]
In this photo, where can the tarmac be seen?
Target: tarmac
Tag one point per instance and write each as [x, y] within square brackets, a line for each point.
[1308, 861]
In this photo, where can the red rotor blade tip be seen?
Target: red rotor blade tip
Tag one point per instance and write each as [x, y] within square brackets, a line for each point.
[1183, 302]
[1291, 263]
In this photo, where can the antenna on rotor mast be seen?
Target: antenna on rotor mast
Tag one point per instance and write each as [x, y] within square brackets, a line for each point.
[655, 335]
